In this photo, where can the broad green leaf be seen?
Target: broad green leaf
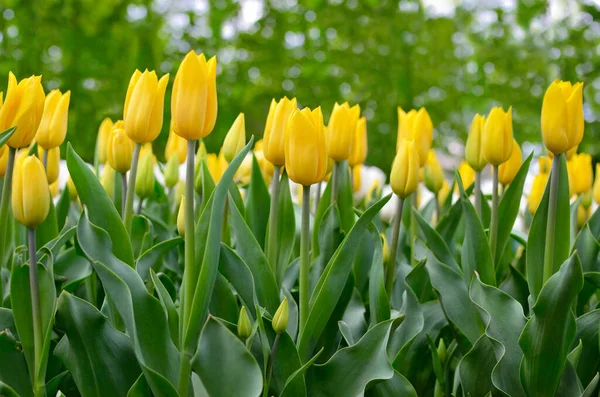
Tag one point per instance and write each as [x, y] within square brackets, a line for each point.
[330, 237]
[289, 387]
[354, 316]
[257, 204]
[285, 364]
[71, 269]
[152, 258]
[549, 333]
[168, 306]
[363, 261]
[208, 185]
[516, 286]
[329, 288]
[223, 303]
[100, 358]
[397, 386]
[286, 228]
[345, 199]
[379, 303]
[47, 230]
[588, 249]
[7, 391]
[536, 242]
[587, 334]
[322, 209]
[449, 222]
[591, 388]
[418, 280]
[142, 235]
[13, 367]
[140, 388]
[102, 211]
[436, 243]
[224, 365]
[62, 208]
[402, 337]
[236, 271]
[476, 367]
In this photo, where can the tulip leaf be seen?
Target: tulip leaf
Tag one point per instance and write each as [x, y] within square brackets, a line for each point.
[418, 280]
[71, 269]
[62, 208]
[436, 243]
[257, 204]
[286, 228]
[402, 337]
[47, 230]
[330, 237]
[379, 303]
[208, 184]
[288, 388]
[549, 333]
[397, 386]
[224, 365]
[6, 134]
[345, 199]
[100, 358]
[363, 260]
[236, 271]
[103, 213]
[142, 235]
[508, 209]
[588, 249]
[476, 366]
[322, 209]
[224, 303]
[587, 334]
[13, 367]
[329, 288]
[168, 306]
[350, 369]
[536, 242]
[515, 285]
[449, 222]
[152, 257]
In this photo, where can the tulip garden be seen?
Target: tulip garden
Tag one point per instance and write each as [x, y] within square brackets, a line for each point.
[257, 270]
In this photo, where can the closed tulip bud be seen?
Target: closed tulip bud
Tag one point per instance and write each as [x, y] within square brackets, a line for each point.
[444, 191]
[582, 216]
[244, 172]
[433, 173]
[545, 164]
[23, 107]
[405, 170]
[442, 352]
[102, 140]
[342, 129]
[30, 192]
[356, 177]
[176, 146]
[107, 180]
[52, 130]
[200, 155]
[508, 170]
[474, 150]
[179, 191]
[53, 165]
[72, 189]
[144, 105]
[194, 97]
[275, 127]
[119, 149]
[172, 172]
[280, 319]
[467, 174]
[497, 139]
[416, 126]
[54, 189]
[181, 217]
[385, 248]
[3, 161]
[305, 147]
[244, 326]
[596, 184]
[266, 167]
[235, 138]
[562, 116]
[359, 145]
[586, 199]
[582, 174]
[215, 166]
[144, 184]
[537, 192]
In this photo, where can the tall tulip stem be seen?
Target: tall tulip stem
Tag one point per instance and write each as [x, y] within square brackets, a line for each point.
[478, 193]
[317, 196]
[4, 202]
[391, 262]
[45, 159]
[551, 221]
[38, 339]
[304, 257]
[273, 212]
[494, 220]
[123, 191]
[128, 213]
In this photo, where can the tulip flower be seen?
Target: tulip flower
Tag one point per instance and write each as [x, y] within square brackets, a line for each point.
[442, 195]
[54, 189]
[537, 192]
[385, 248]
[172, 172]
[52, 162]
[545, 163]
[244, 326]
[107, 180]
[275, 127]
[342, 129]
[72, 189]
[581, 173]
[356, 180]
[30, 193]
[52, 130]
[176, 146]
[181, 217]
[415, 126]
[3, 161]
[562, 116]
[433, 173]
[467, 174]
[144, 185]
[586, 199]
[596, 188]
[473, 149]
[583, 215]
[497, 138]
[102, 140]
[235, 140]
[508, 170]
[359, 144]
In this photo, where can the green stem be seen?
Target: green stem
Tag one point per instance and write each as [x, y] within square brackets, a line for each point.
[273, 212]
[478, 193]
[140, 206]
[4, 202]
[38, 339]
[123, 191]
[413, 229]
[494, 220]
[335, 181]
[391, 262]
[304, 257]
[45, 160]
[270, 366]
[185, 369]
[128, 213]
[317, 196]
[551, 221]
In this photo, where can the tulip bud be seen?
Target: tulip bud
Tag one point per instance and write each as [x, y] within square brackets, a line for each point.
[596, 184]
[508, 170]
[537, 192]
[305, 147]
[244, 326]
[235, 138]
[3, 161]
[179, 191]
[473, 149]
[144, 185]
[119, 149]
[30, 192]
[54, 188]
[172, 171]
[212, 161]
[586, 199]
[562, 116]
[266, 167]
[359, 144]
[200, 155]
[433, 173]
[244, 172]
[405, 170]
[356, 177]
[581, 175]
[194, 97]
[582, 216]
[342, 129]
[52, 130]
[177, 146]
[107, 180]
[280, 319]
[444, 191]
[72, 189]
[442, 352]
[102, 140]
[181, 217]
[53, 164]
[385, 248]
[545, 164]
[416, 126]
[23, 108]
[274, 136]
[144, 105]
[497, 139]
[467, 174]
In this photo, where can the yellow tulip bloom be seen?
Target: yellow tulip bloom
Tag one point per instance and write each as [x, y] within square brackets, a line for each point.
[275, 127]
[356, 177]
[580, 173]
[72, 189]
[52, 130]
[3, 161]
[144, 184]
[359, 145]
[107, 180]
[53, 165]
[473, 149]
[404, 178]
[181, 218]
[508, 170]
[433, 173]
[444, 192]
[596, 184]
[235, 140]
[537, 192]
[416, 126]
[545, 164]
[30, 192]
[102, 139]
[171, 172]
[342, 129]
[119, 149]
[467, 174]
[176, 146]
[497, 139]
[562, 116]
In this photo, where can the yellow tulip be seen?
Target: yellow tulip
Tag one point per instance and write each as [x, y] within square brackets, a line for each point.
[508, 170]
[235, 140]
[244, 172]
[444, 192]
[54, 189]
[177, 146]
[144, 106]
[3, 161]
[23, 108]
[562, 116]
[181, 217]
[586, 199]
[179, 191]
[144, 184]
[537, 192]
[416, 126]
[356, 177]
[596, 183]
[172, 172]
[359, 145]
[258, 146]
[474, 150]
[583, 215]
[53, 165]
[266, 167]
[467, 174]
[119, 150]
[305, 147]
[52, 130]
[342, 129]
[107, 180]
[194, 97]
[405, 170]
[30, 192]
[545, 164]
[72, 189]
[385, 248]
[216, 165]
[581, 173]
[275, 127]
[102, 140]
[497, 139]
[433, 173]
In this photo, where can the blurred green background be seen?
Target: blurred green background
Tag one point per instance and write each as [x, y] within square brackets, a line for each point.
[456, 58]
